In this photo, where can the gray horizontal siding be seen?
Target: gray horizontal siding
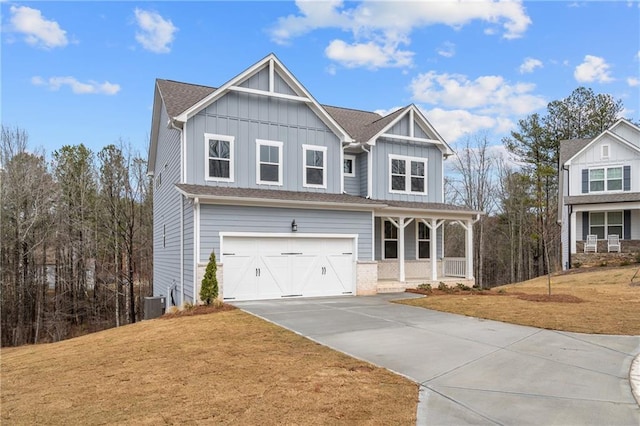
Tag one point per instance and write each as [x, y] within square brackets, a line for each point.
[216, 218]
[166, 211]
[188, 251]
[250, 117]
[381, 152]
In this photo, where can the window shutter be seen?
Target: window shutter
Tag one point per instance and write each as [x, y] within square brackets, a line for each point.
[626, 178]
[585, 181]
[585, 225]
[626, 220]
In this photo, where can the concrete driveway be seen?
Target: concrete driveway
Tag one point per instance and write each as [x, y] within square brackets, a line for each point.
[474, 371]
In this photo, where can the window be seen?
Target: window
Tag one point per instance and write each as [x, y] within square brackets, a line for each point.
[611, 222]
[159, 180]
[268, 162]
[424, 241]
[349, 165]
[390, 240]
[218, 157]
[604, 153]
[605, 179]
[314, 166]
[164, 236]
[407, 174]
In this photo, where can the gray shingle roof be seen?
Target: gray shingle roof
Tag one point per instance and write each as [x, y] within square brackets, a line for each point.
[178, 97]
[622, 197]
[205, 191]
[569, 148]
[360, 125]
[274, 194]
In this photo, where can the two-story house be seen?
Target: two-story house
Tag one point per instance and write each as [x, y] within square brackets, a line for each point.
[599, 196]
[295, 198]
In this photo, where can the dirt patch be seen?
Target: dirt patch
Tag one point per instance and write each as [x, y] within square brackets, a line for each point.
[557, 298]
[458, 292]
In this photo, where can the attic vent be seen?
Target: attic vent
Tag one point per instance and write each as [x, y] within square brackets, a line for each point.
[605, 151]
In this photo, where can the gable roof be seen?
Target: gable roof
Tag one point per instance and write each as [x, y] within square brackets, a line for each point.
[574, 147]
[178, 97]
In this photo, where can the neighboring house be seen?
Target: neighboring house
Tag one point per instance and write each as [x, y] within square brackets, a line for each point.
[295, 198]
[600, 191]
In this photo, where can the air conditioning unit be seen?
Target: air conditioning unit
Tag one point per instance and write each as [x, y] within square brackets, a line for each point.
[154, 306]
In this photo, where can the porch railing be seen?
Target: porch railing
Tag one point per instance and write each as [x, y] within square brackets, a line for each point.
[455, 267]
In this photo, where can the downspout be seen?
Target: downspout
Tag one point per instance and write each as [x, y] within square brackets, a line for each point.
[342, 147]
[569, 212]
[182, 198]
[196, 242]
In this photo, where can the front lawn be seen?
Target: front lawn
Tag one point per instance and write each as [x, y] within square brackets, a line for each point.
[597, 300]
[226, 367]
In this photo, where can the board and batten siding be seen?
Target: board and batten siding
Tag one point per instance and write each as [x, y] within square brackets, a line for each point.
[363, 170]
[260, 81]
[166, 211]
[619, 155]
[221, 218]
[385, 147]
[249, 117]
[352, 184]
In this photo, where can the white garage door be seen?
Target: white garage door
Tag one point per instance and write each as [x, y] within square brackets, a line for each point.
[275, 267]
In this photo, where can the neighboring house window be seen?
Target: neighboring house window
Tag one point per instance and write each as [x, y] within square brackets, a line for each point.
[605, 152]
[349, 165]
[219, 157]
[407, 174]
[269, 162]
[164, 236]
[605, 179]
[159, 180]
[424, 241]
[603, 224]
[314, 166]
[390, 243]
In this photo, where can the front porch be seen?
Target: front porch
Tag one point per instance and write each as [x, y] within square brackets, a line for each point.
[410, 250]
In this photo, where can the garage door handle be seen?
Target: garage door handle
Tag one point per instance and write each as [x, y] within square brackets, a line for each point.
[324, 270]
[257, 272]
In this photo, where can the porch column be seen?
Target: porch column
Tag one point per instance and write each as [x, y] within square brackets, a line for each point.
[468, 251]
[433, 227]
[401, 248]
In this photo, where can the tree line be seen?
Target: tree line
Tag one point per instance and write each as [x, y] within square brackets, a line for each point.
[75, 239]
[519, 237]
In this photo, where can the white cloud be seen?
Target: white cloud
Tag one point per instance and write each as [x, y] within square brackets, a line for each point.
[487, 94]
[77, 87]
[368, 55]
[529, 65]
[633, 81]
[384, 25]
[448, 49]
[594, 68]
[37, 30]
[156, 33]
[454, 124]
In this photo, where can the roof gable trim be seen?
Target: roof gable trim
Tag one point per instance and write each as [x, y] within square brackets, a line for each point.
[600, 137]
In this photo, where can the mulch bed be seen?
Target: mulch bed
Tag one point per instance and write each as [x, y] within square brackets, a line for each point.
[199, 310]
[556, 298]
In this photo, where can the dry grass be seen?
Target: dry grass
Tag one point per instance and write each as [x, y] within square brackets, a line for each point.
[610, 305]
[227, 367]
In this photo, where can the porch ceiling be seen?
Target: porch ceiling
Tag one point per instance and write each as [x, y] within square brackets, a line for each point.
[425, 210]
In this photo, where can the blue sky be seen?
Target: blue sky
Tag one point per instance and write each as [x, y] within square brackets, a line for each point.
[84, 72]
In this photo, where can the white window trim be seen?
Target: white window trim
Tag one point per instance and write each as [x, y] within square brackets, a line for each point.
[231, 141]
[407, 169]
[606, 223]
[259, 143]
[353, 165]
[306, 148]
[605, 151]
[418, 223]
[606, 181]
[384, 240]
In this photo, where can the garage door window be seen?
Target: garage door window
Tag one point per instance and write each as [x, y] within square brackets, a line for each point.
[268, 162]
